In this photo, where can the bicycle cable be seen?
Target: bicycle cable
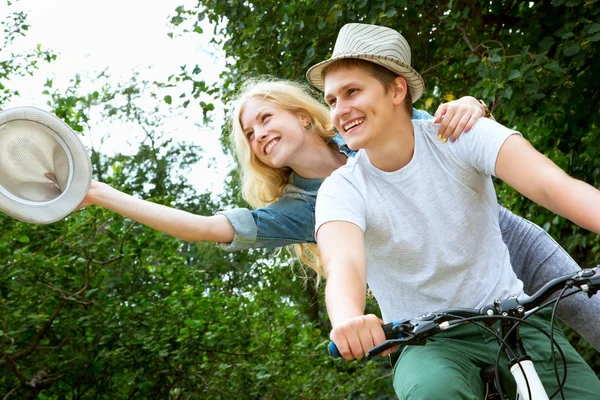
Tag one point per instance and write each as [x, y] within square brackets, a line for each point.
[504, 344]
[552, 319]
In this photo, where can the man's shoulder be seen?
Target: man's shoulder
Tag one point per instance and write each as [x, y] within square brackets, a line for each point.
[483, 125]
[347, 175]
[425, 125]
[352, 165]
[426, 128]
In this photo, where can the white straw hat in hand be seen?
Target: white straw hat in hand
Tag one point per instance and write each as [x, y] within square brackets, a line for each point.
[45, 170]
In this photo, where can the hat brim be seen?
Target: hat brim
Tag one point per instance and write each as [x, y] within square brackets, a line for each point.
[79, 166]
[415, 82]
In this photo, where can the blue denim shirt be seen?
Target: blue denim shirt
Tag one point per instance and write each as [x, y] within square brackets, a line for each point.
[289, 220]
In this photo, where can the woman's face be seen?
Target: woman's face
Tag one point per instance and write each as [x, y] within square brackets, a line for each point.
[273, 133]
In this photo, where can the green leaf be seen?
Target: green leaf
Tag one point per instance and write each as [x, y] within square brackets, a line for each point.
[168, 99]
[546, 42]
[514, 74]
[391, 12]
[24, 239]
[592, 28]
[571, 48]
[554, 67]
[472, 59]
[495, 58]
[507, 92]
[483, 70]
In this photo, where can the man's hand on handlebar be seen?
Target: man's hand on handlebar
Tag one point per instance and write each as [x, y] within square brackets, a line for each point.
[355, 336]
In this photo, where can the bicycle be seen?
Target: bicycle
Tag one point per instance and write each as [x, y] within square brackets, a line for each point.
[511, 312]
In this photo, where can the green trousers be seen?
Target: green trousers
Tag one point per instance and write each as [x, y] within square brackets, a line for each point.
[449, 365]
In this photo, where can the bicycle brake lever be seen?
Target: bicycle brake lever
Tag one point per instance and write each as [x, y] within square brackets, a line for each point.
[388, 344]
[379, 349]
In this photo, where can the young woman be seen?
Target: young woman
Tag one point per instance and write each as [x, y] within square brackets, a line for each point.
[286, 145]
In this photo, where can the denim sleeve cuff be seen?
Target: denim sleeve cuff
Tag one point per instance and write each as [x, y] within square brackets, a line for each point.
[245, 229]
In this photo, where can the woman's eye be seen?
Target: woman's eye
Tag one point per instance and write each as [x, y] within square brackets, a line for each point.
[265, 117]
[350, 91]
[250, 135]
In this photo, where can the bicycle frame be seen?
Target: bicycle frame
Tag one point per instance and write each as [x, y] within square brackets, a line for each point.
[527, 375]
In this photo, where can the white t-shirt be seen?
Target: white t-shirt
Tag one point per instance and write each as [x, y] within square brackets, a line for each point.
[431, 228]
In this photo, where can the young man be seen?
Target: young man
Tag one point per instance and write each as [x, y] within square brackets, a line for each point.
[382, 211]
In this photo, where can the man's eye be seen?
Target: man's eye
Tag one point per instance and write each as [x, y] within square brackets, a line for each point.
[350, 91]
[332, 102]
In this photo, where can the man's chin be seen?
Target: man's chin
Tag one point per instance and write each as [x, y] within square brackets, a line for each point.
[355, 144]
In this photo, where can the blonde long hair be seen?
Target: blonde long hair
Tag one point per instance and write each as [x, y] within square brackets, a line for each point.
[261, 184]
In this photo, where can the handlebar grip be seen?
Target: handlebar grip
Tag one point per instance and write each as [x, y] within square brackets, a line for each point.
[333, 350]
[387, 329]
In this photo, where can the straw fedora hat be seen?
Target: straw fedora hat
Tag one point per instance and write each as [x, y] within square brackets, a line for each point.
[377, 44]
[45, 170]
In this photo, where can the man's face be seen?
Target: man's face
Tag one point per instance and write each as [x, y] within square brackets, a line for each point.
[361, 108]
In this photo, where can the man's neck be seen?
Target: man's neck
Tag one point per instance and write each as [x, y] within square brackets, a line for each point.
[395, 148]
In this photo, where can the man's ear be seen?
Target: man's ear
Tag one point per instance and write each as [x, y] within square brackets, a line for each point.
[399, 90]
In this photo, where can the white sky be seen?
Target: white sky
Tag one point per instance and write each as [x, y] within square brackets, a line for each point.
[125, 36]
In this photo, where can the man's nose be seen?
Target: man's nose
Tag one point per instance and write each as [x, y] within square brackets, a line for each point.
[341, 109]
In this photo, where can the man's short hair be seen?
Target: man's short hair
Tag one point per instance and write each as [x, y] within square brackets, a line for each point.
[385, 76]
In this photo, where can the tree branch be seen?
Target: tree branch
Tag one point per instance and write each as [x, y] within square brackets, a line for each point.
[11, 392]
[436, 65]
[42, 332]
[468, 41]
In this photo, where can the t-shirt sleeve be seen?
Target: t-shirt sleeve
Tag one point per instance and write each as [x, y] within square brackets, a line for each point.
[339, 200]
[287, 221]
[481, 146]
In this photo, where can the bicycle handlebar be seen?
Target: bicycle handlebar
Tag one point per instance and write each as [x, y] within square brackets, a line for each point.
[416, 331]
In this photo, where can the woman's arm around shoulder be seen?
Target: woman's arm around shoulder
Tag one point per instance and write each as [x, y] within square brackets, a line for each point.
[458, 116]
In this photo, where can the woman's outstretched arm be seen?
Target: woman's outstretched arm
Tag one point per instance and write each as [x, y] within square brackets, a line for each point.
[180, 224]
